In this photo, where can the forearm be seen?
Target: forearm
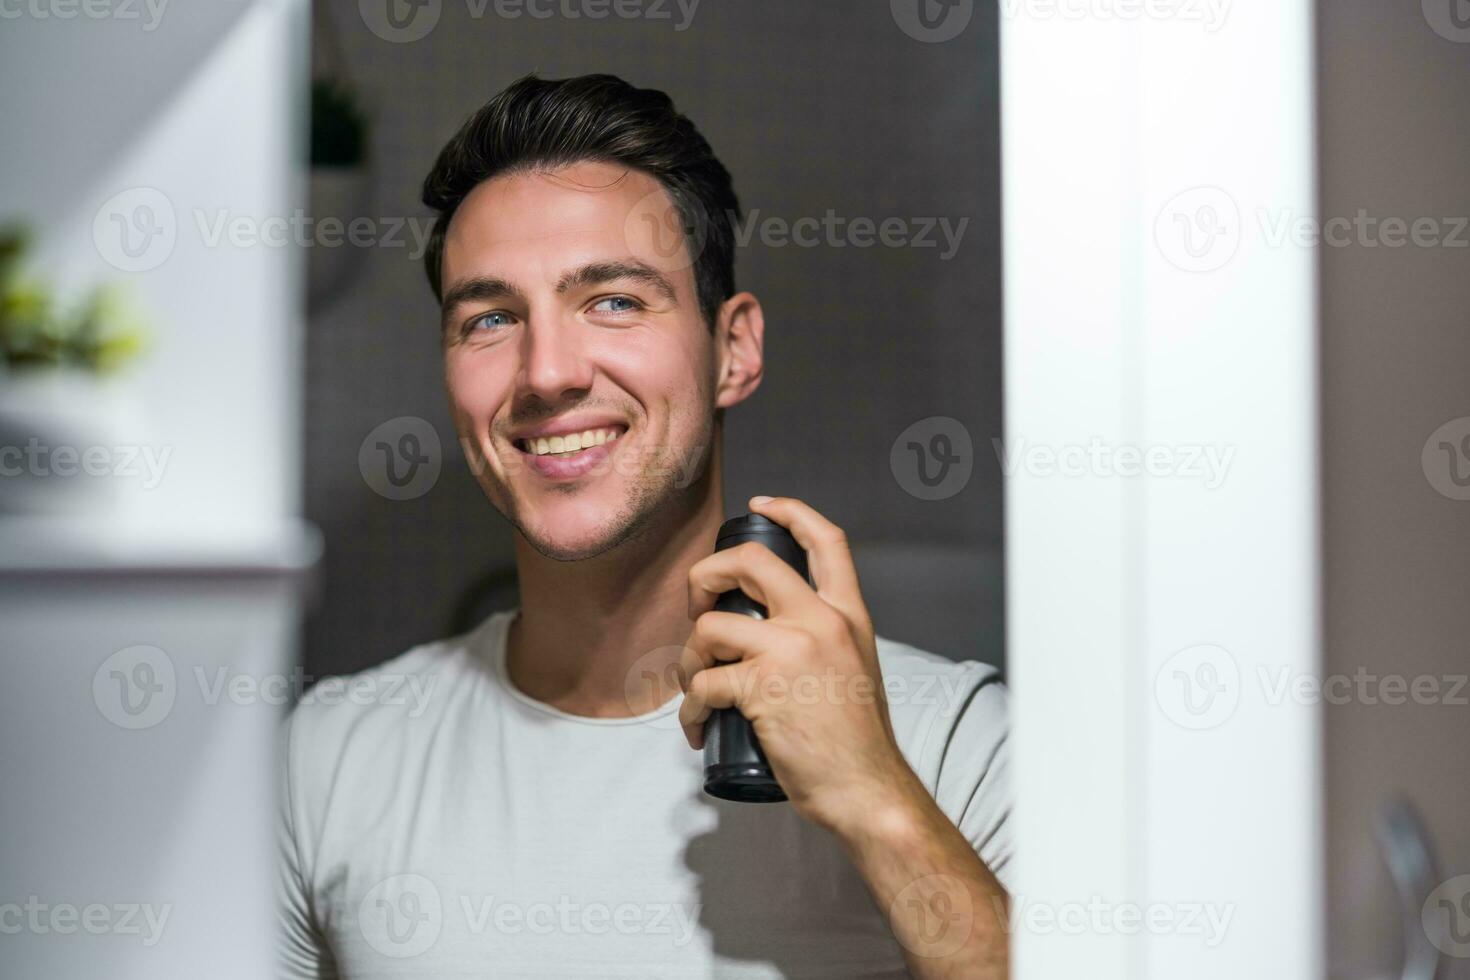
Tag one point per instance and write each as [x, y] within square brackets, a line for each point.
[945, 907]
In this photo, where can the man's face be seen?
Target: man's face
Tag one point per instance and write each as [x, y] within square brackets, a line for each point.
[566, 312]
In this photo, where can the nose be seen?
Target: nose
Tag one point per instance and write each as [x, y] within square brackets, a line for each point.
[554, 361]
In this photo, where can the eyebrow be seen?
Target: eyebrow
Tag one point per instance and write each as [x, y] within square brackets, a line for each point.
[591, 274]
[596, 273]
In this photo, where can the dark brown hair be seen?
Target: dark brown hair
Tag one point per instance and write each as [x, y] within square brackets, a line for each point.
[538, 122]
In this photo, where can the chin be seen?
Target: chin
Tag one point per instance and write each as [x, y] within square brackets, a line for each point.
[575, 533]
[558, 549]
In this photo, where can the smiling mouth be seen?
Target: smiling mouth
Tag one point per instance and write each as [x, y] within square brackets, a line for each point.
[570, 444]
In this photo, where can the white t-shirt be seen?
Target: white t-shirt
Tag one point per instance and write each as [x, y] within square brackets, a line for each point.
[436, 821]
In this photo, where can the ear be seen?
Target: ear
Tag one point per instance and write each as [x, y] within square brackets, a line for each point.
[739, 335]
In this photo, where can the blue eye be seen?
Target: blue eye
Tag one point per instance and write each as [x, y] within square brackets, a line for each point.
[628, 304]
[489, 321]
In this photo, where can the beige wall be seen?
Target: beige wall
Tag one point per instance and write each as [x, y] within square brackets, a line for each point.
[1395, 367]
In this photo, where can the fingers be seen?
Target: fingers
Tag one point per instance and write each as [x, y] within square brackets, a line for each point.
[719, 637]
[753, 569]
[716, 687]
[828, 556]
[721, 642]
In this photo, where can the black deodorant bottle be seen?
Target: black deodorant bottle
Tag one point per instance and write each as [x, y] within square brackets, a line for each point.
[735, 768]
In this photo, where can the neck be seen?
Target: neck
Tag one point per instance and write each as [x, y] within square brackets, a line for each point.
[599, 637]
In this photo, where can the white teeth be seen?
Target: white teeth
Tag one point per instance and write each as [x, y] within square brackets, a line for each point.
[572, 443]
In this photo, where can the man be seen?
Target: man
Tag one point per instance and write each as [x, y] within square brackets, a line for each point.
[539, 814]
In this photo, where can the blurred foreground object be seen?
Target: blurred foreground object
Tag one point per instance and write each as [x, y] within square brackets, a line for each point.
[56, 392]
[152, 562]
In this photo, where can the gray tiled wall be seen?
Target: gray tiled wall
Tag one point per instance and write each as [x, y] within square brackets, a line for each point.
[812, 106]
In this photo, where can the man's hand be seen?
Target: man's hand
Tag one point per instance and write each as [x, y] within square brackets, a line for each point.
[806, 676]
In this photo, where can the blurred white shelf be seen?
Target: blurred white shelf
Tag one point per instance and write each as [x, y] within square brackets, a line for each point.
[52, 545]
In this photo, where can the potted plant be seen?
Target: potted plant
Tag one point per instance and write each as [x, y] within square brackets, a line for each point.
[339, 184]
[58, 363]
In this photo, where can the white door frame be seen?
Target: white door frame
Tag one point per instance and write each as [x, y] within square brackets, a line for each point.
[1162, 601]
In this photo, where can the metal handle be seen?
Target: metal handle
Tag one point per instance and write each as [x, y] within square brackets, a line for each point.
[1410, 859]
